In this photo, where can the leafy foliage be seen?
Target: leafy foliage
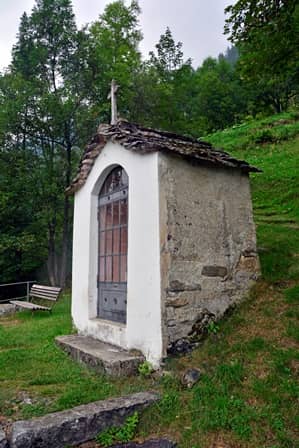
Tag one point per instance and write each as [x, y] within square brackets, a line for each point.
[145, 369]
[54, 94]
[40, 120]
[123, 433]
[266, 33]
[113, 54]
[169, 55]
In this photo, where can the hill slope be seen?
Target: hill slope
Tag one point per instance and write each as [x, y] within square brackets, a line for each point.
[248, 393]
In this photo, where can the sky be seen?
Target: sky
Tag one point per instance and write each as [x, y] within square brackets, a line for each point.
[196, 23]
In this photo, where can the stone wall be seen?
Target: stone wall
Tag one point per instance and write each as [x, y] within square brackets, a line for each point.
[208, 244]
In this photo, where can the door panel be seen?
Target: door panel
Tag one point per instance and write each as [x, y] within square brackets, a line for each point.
[113, 247]
[113, 302]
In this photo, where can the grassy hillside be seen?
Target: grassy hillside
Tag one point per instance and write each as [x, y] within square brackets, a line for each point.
[248, 392]
[248, 396]
[271, 144]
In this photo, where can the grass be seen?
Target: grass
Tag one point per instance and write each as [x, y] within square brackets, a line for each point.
[275, 192]
[248, 393]
[249, 389]
[36, 377]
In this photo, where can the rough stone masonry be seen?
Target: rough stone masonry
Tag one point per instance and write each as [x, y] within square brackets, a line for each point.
[208, 244]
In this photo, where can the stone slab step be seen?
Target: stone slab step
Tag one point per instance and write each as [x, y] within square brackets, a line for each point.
[77, 425]
[103, 357]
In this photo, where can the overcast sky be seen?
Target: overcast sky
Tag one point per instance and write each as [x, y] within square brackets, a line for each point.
[196, 23]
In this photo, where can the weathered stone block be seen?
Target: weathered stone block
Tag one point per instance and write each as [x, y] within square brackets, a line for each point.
[214, 271]
[178, 286]
[3, 440]
[190, 377]
[77, 425]
[177, 303]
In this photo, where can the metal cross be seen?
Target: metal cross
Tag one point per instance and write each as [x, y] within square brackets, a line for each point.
[112, 96]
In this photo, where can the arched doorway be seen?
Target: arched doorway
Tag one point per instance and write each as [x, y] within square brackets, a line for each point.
[113, 246]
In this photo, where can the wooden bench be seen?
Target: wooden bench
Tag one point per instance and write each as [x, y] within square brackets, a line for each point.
[45, 295]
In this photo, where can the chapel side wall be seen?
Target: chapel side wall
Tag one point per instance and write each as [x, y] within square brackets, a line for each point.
[208, 243]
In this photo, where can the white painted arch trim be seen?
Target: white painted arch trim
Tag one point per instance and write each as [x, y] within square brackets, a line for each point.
[143, 329]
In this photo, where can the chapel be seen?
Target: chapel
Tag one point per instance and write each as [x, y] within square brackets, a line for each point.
[163, 236]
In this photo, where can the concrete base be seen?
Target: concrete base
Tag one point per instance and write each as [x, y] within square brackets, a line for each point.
[98, 355]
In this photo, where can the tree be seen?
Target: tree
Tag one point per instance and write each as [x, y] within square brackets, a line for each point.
[113, 53]
[53, 96]
[267, 35]
[23, 233]
[231, 55]
[48, 116]
[164, 86]
[169, 57]
[219, 98]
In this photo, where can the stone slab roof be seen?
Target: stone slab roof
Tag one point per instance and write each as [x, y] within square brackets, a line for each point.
[143, 140]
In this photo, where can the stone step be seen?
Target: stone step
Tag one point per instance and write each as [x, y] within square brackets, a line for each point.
[103, 357]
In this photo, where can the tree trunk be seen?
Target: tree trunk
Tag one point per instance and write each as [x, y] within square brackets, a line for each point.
[65, 242]
[52, 261]
[66, 216]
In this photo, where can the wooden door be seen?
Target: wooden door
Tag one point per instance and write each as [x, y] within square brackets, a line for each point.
[113, 247]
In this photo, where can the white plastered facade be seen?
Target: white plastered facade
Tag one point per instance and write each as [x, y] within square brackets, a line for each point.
[143, 328]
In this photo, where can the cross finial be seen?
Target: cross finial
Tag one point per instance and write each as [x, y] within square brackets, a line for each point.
[112, 96]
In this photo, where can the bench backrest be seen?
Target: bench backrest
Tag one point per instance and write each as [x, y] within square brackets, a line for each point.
[45, 292]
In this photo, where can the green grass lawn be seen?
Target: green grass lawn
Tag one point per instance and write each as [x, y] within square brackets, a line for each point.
[248, 394]
[36, 377]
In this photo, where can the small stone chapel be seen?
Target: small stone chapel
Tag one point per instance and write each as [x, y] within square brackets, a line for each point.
[163, 233]
[164, 237]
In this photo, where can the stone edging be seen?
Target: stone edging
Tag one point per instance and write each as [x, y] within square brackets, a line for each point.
[77, 425]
